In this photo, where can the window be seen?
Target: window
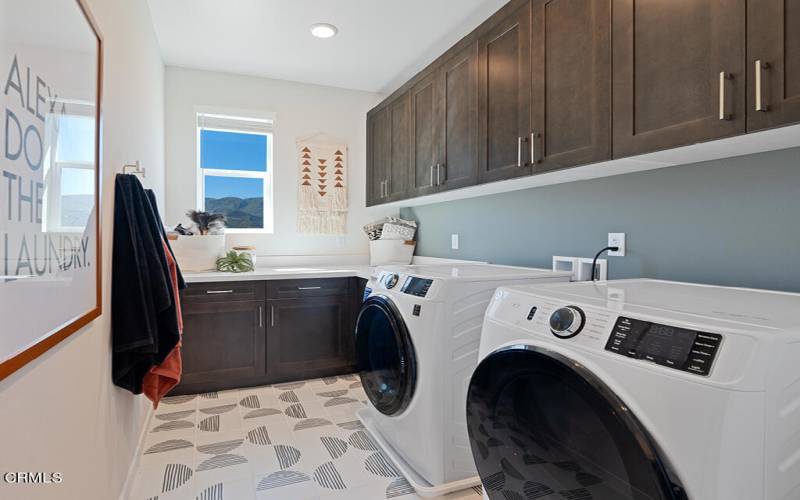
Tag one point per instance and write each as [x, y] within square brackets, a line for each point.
[69, 170]
[235, 170]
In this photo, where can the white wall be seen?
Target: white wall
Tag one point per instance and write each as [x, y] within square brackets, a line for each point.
[61, 413]
[301, 110]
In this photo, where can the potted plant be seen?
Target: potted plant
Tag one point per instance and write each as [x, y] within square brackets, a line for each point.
[235, 262]
[205, 243]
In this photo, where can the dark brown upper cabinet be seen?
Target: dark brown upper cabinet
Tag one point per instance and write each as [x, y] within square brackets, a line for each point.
[443, 124]
[571, 76]
[424, 135]
[388, 150]
[504, 96]
[678, 74]
[400, 149]
[457, 163]
[378, 146]
[773, 59]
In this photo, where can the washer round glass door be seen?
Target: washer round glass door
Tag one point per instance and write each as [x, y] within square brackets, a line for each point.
[540, 424]
[386, 358]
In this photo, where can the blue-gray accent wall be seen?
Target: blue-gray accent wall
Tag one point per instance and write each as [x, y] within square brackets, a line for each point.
[730, 222]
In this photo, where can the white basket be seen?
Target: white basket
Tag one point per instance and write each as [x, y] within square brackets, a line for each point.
[198, 253]
[383, 252]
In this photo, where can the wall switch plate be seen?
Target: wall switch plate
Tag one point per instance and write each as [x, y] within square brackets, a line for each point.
[454, 241]
[616, 240]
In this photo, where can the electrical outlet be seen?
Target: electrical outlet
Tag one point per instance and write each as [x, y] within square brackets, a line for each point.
[454, 241]
[616, 240]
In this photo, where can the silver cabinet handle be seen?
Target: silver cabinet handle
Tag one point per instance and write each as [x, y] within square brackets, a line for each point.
[260, 317]
[431, 175]
[519, 151]
[214, 292]
[723, 79]
[438, 173]
[309, 287]
[272, 316]
[383, 189]
[535, 136]
[761, 102]
[386, 183]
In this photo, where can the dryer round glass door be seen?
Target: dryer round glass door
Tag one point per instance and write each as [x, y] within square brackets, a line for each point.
[541, 424]
[386, 359]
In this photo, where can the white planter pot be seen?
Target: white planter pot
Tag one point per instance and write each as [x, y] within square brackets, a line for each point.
[198, 253]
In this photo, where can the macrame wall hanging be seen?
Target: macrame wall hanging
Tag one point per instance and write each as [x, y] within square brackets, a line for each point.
[322, 200]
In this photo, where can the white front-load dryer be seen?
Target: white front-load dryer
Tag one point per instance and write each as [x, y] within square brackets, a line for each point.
[638, 389]
[417, 340]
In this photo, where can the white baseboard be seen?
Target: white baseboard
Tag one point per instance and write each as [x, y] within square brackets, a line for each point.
[125, 493]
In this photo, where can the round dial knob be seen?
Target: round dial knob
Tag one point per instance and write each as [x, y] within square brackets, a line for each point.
[391, 281]
[567, 322]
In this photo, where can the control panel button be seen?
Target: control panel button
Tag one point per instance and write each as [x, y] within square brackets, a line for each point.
[532, 313]
[566, 322]
[391, 281]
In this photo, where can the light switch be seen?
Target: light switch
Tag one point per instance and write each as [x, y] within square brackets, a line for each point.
[454, 241]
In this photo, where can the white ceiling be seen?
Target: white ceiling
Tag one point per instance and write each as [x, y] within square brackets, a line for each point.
[381, 43]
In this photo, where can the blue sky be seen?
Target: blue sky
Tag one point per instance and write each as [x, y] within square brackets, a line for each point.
[233, 151]
[75, 139]
[239, 187]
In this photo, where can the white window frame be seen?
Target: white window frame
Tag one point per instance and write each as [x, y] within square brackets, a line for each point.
[51, 203]
[226, 121]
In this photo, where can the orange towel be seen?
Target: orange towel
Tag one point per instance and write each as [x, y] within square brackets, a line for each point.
[162, 378]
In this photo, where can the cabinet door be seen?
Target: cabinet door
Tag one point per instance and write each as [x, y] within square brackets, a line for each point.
[504, 97]
[425, 125]
[310, 337]
[457, 164]
[678, 73]
[396, 182]
[571, 73]
[773, 55]
[223, 344]
[378, 146]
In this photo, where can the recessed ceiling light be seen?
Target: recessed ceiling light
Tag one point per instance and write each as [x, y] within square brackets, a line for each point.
[323, 30]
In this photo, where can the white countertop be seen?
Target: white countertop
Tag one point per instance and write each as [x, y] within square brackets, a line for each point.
[282, 273]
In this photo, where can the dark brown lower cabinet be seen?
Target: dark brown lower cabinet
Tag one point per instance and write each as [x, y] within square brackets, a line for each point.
[223, 345]
[241, 334]
[310, 337]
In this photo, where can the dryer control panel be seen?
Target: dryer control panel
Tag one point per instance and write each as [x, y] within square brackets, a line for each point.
[417, 286]
[686, 350]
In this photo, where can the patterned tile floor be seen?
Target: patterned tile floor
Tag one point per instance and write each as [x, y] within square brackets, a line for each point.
[291, 441]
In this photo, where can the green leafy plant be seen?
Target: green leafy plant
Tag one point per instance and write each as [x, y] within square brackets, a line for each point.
[235, 262]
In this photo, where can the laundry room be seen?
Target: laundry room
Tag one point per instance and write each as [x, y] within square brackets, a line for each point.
[442, 249]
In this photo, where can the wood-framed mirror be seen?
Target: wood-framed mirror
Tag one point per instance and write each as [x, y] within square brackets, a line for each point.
[51, 62]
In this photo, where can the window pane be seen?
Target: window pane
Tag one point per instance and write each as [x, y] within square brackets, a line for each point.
[241, 199]
[77, 196]
[233, 151]
[75, 139]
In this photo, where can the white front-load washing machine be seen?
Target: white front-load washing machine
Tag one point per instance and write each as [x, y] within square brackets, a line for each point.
[417, 339]
[638, 389]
